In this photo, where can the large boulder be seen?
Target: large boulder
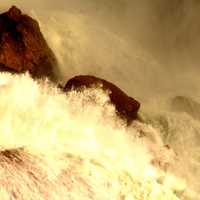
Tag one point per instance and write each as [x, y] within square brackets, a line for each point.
[23, 47]
[126, 106]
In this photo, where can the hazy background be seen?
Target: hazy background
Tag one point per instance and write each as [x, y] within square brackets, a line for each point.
[147, 47]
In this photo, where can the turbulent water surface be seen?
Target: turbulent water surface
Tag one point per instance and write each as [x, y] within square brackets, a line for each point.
[58, 146]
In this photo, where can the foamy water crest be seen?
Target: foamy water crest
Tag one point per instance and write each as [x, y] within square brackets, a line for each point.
[73, 146]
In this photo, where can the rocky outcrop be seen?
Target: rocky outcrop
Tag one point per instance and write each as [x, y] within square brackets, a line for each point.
[23, 47]
[126, 106]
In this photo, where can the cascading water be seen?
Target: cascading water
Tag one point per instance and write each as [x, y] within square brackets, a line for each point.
[76, 147]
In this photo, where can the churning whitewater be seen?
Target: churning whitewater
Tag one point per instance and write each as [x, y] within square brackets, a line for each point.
[73, 146]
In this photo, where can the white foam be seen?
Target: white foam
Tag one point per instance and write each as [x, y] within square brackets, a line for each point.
[80, 151]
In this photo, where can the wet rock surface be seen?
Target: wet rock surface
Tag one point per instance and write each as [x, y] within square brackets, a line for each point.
[126, 106]
[23, 47]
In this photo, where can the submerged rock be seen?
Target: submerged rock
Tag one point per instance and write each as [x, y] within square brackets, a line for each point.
[126, 106]
[23, 47]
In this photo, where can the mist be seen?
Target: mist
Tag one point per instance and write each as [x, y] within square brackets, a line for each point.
[154, 45]
[150, 49]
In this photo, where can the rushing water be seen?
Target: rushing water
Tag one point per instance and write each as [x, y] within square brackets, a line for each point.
[74, 146]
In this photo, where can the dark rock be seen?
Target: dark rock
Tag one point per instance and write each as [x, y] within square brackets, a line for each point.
[126, 106]
[23, 47]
